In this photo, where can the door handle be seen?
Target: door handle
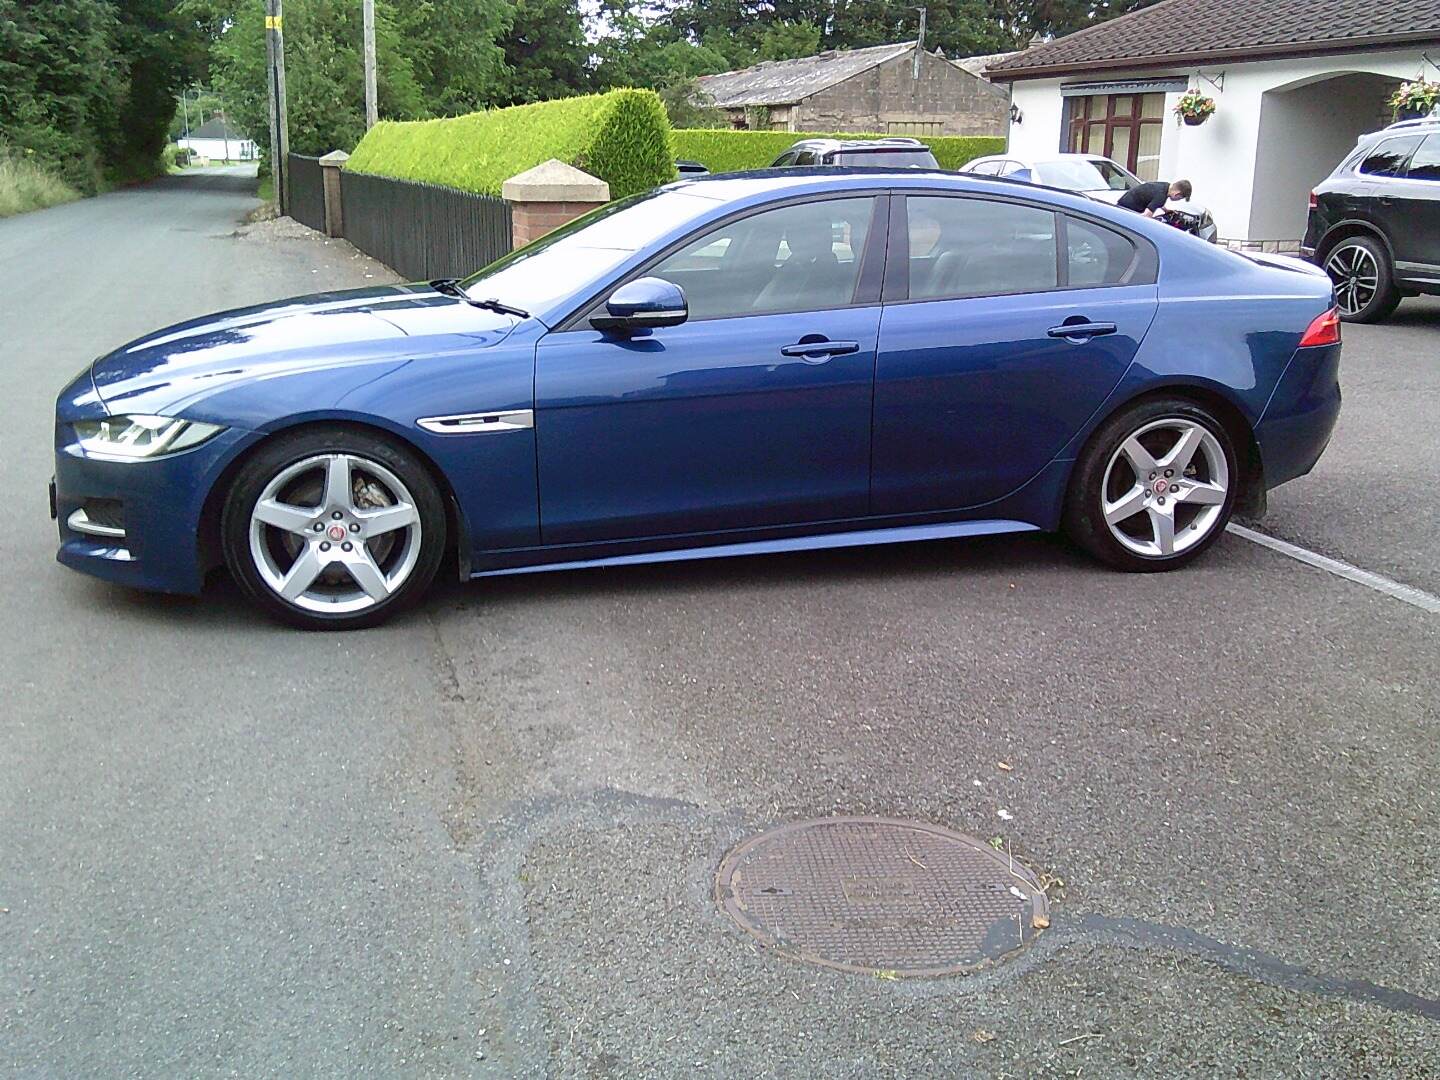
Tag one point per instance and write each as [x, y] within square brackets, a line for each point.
[1081, 331]
[814, 349]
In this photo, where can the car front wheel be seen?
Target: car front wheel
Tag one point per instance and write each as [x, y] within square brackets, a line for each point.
[1359, 268]
[1154, 487]
[333, 529]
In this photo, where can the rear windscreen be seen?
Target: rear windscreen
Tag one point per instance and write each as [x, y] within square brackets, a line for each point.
[886, 159]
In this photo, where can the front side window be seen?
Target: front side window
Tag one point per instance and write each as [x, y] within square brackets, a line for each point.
[1425, 164]
[1390, 156]
[802, 257]
[979, 247]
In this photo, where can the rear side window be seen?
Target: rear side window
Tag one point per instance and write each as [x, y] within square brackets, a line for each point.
[1389, 158]
[979, 247]
[1097, 255]
[885, 159]
[986, 168]
[1425, 165]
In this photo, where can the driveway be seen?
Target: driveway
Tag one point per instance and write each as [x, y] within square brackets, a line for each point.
[482, 841]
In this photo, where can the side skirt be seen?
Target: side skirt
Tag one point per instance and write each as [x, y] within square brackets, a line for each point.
[865, 537]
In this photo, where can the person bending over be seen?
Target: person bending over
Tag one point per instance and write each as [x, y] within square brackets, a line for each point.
[1149, 198]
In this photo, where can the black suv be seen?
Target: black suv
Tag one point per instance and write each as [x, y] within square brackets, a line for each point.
[875, 153]
[1375, 221]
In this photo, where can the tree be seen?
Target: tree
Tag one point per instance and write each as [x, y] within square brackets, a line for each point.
[455, 51]
[545, 51]
[789, 41]
[324, 73]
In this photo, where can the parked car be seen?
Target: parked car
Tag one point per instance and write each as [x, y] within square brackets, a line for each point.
[703, 370]
[1374, 223]
[1092, 175]
[868, 153]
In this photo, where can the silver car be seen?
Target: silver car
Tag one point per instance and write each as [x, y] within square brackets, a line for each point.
[1092, 175]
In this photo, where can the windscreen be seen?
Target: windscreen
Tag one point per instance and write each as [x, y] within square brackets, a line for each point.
[1082, 174]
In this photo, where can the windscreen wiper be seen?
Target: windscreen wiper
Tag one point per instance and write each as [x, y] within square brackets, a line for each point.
[451, 287]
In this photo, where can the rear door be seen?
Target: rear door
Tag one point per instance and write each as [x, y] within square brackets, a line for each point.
[1005, 326]
[1415, 199]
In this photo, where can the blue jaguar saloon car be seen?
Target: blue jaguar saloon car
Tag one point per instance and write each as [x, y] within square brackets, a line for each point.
[773, 361]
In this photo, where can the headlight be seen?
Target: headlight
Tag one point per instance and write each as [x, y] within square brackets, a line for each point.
[137, 437]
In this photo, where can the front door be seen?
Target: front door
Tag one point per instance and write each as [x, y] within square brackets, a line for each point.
[1412, 209]
[996, 352]
[753, 413]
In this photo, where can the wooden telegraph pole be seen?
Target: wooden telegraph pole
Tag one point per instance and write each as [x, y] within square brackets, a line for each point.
[279, 119]
[372, 105]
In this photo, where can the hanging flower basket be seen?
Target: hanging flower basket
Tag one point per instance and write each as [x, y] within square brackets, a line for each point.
[1415, 99]
[1194, 108]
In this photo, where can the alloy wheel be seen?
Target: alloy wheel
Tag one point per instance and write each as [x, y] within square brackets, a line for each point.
[1356, 276]
[1165, 488]
[335, 533]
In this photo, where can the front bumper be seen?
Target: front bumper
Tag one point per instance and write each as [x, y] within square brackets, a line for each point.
[162, 503]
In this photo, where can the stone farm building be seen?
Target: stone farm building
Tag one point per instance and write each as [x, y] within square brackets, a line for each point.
[893, 89]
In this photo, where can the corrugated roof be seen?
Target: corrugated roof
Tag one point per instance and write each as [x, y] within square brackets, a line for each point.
[784, 82]
[1210, 30]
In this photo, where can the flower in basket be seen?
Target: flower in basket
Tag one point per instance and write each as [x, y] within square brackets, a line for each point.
[1416, 98]
[1194, 107]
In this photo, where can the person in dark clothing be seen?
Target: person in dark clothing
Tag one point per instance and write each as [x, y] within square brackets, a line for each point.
[1149, 198]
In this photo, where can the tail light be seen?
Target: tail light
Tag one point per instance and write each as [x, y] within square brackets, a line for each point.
[1325, 330]
[1314, 201]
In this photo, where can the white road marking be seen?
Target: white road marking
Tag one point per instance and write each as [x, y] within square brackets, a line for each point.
[1406, 594]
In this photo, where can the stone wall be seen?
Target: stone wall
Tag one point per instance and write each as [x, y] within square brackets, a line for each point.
[888, 94]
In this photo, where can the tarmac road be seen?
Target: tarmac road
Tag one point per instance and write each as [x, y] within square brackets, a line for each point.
[481, 841]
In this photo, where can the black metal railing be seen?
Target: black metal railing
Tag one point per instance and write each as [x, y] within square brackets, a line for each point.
[307, 191]
[423, 231]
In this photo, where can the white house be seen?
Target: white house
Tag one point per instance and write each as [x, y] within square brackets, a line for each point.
[217, 140]
[1295, 82]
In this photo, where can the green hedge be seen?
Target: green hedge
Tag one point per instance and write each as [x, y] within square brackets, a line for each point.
[731, 151]
[621, 137]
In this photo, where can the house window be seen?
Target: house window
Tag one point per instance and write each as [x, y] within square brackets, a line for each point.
[1123, 127]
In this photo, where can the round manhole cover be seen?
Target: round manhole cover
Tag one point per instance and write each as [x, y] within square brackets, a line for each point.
[880, 895]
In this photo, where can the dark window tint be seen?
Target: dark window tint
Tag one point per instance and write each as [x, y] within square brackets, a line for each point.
[1389, 157]
[979, 247]
[805, 157]
[920, 158]
[787, 158]
[1098, 256]
[1425, 165]
[804, 257]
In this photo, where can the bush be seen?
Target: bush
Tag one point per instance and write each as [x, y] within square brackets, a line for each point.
[733, 151]
[25, 184]
[622, 137]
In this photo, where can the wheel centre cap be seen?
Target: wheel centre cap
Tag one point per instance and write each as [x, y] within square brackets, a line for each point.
[1162, 486]
[336, 532]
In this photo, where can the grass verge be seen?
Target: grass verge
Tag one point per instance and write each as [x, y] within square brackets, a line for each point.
[27, 185]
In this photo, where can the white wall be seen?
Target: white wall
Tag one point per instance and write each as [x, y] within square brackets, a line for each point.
[1220, 156]
[238, 149]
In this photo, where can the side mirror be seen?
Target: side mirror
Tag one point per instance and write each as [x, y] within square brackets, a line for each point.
[1022, 174]
[643, 303]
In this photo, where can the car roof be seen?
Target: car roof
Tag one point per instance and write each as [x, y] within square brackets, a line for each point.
[741, 187]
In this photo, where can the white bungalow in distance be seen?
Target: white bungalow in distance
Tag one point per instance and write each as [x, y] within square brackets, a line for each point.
[1295, 82]
[216, 140]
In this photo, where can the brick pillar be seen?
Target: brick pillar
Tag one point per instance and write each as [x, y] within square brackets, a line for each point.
[330, 166]
[549, 195]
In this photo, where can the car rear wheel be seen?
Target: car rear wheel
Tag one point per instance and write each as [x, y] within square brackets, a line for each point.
[1154, 487]
[333, 529]
[1359, 268]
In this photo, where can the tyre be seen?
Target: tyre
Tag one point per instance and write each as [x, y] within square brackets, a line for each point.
[1154, 487]
[1359, 267]
[331, 528]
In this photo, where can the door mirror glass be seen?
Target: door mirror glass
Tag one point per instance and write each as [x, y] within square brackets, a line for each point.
[643, 303]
